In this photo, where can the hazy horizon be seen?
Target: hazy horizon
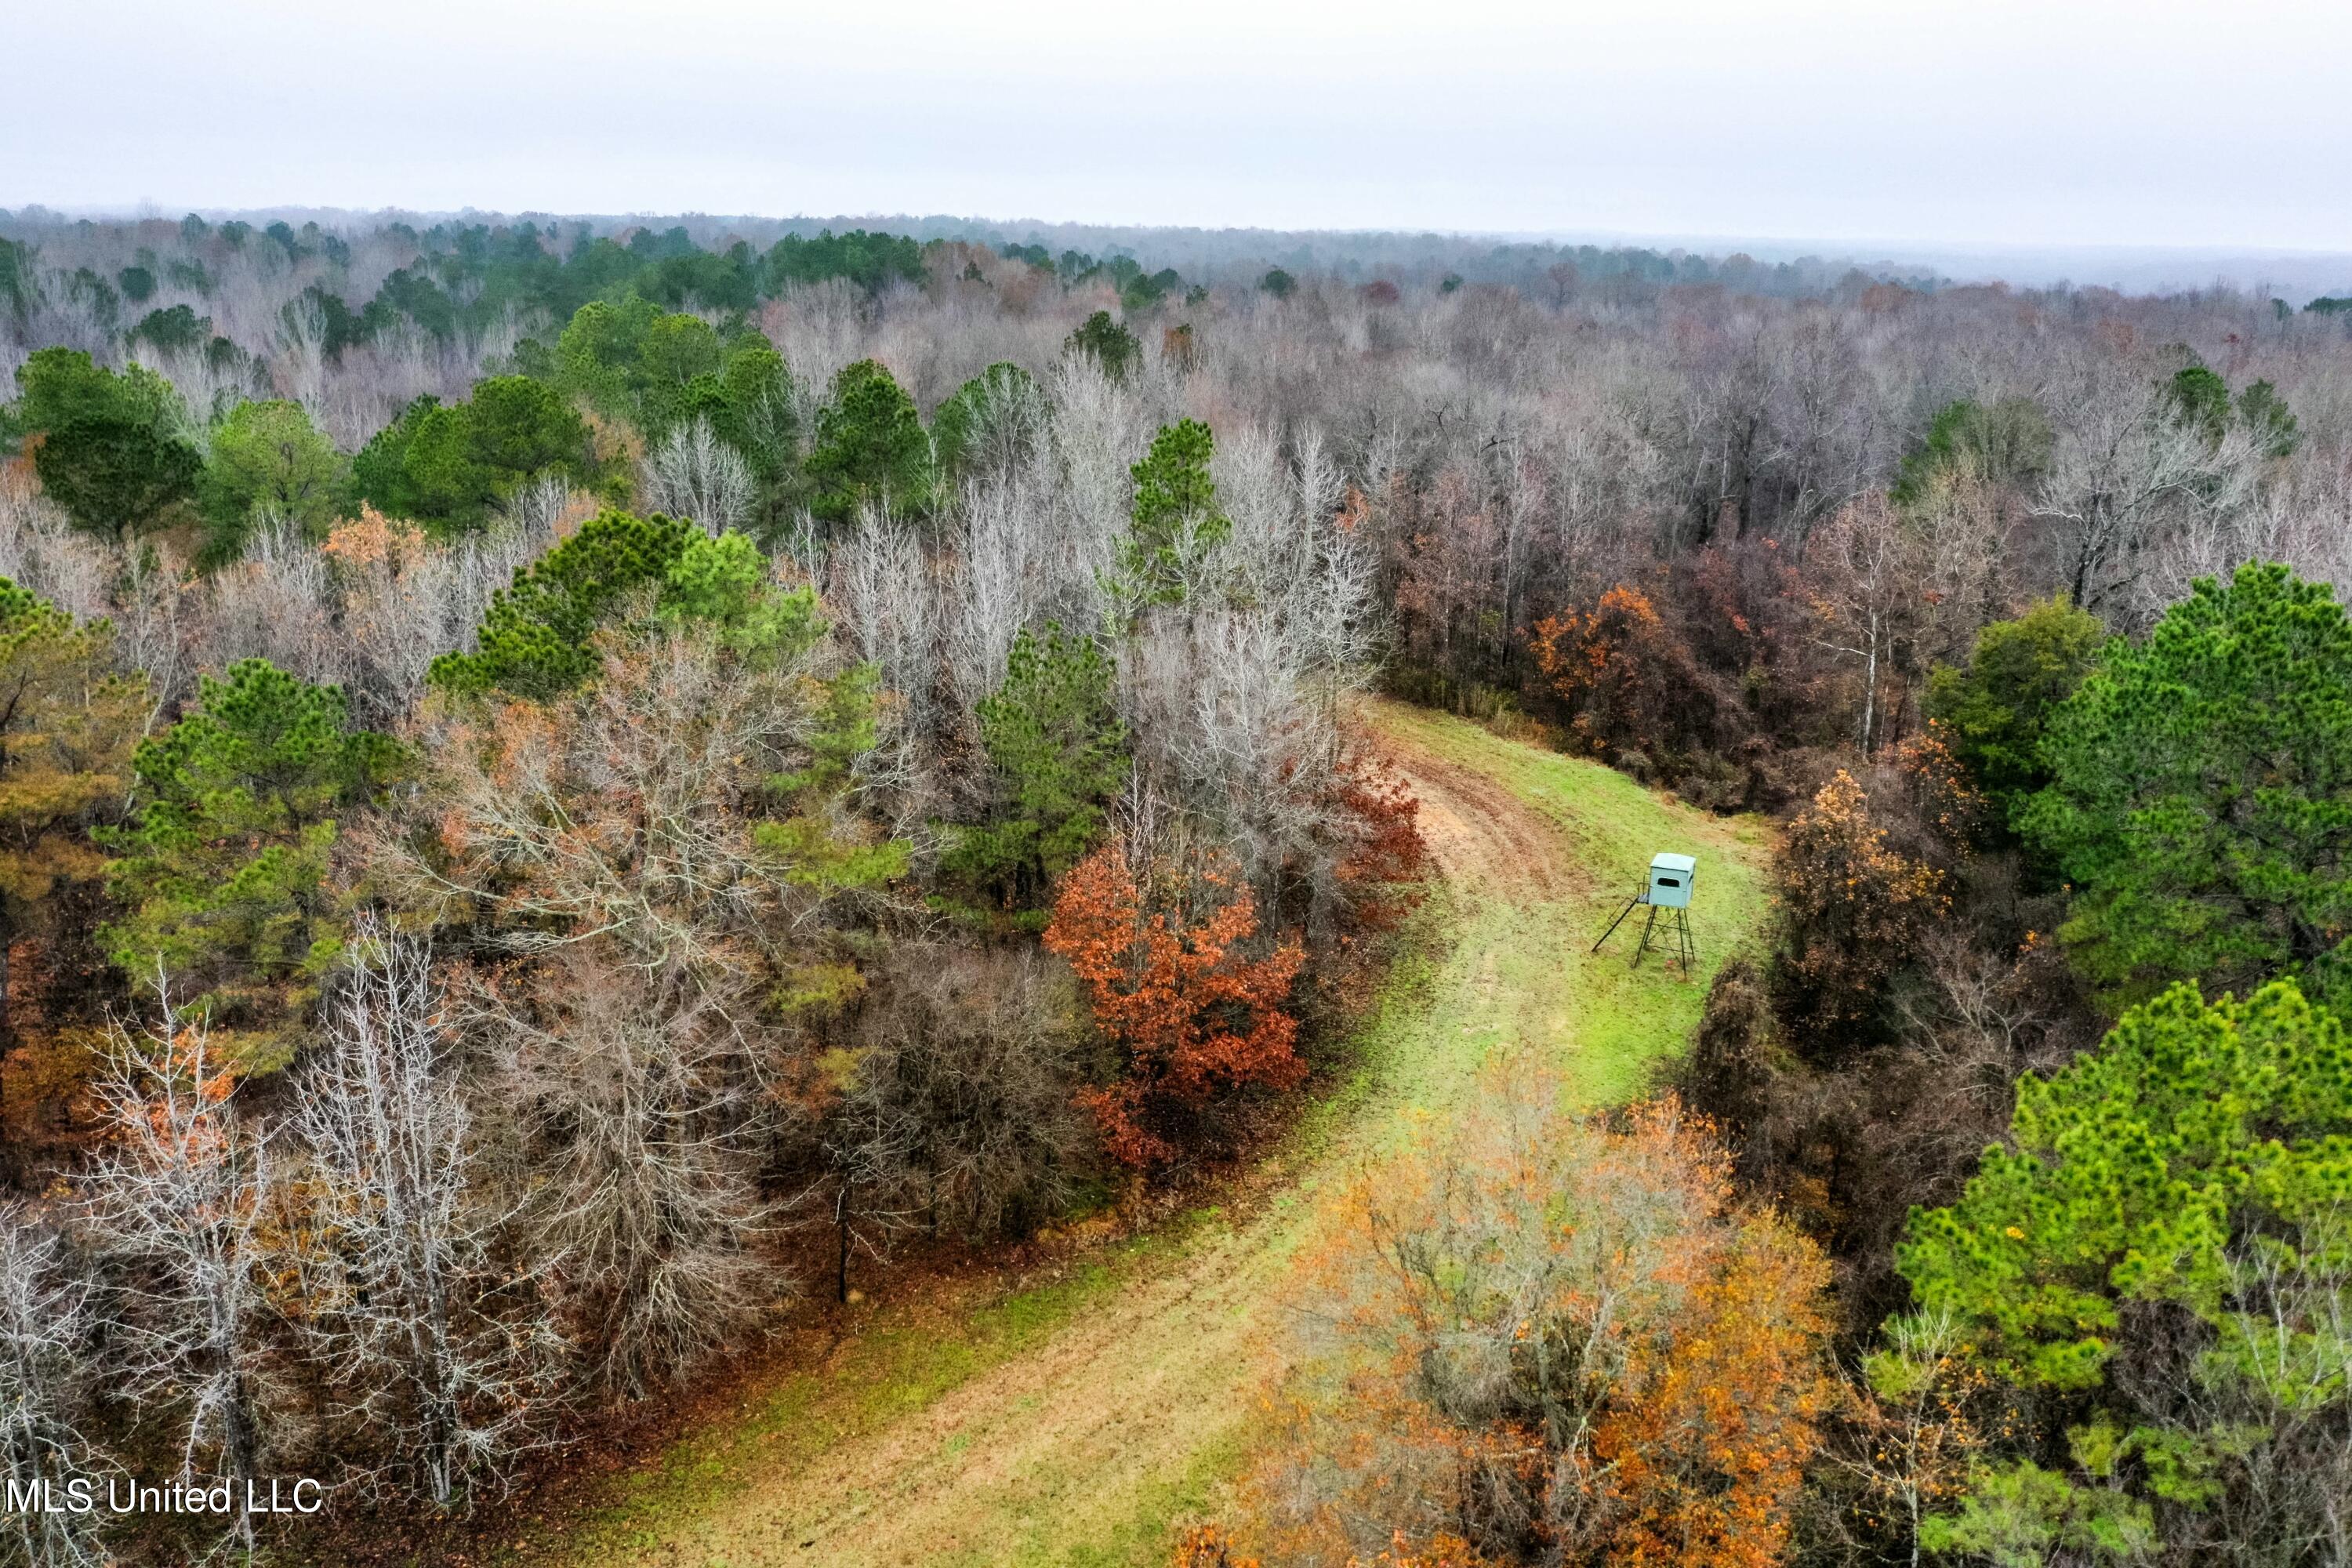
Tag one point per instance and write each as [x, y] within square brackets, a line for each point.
[2295, 273]
[1836, 125]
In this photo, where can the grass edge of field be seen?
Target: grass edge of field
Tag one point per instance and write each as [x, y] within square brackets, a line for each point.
[896, 1369]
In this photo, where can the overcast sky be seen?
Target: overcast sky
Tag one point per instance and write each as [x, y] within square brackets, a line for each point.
[1971, 122]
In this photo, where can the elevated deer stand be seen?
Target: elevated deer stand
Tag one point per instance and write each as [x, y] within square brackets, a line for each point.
[1668, 887]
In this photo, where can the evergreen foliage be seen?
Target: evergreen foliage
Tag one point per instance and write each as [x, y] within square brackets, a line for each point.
[1997, 708]
[2147, 1264]
[223, 869]
[67, 724]
[534, 641]
[1107, 343]
[2008, 443]
[1058, 754]
[116, 475]
[537, 640]
[872, 261]
[2201, 798]
[267, 458]
[870, 447]
[983, 415]
[452, 465]
[1175, 513]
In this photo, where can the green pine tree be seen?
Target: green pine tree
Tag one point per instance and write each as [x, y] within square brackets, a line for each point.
[1175, 514]
[1106, 342]
[870, 448]
[534, 641]
[1058, 755]
[2148, 1266]
[224, 867]
[2200, 794]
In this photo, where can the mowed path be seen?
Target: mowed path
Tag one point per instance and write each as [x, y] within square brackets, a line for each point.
[1072, 1424]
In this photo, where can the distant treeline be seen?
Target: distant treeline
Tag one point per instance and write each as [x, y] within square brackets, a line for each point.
[764, 253]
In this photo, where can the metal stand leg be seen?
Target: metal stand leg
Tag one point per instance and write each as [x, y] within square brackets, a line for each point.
[1630, 905]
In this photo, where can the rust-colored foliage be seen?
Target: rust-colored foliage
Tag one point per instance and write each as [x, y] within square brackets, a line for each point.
[1853, 911]
[1390, 856]
[46, 1109]
[372, 539]
[1178, 347]
[1548, 1339]
[1705, 1463]
[1946, 799]
[1740, 610]
[1627, 682]
[68, 728]
[1194, 1016]
[1207, 1546]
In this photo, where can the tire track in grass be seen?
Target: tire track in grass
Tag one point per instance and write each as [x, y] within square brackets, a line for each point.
[1122, 1401]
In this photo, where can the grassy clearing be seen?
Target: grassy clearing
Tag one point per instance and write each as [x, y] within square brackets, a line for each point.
[1614, 1021]
[893, 1370]
[1077, 1422]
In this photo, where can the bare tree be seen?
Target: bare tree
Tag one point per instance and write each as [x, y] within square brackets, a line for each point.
[180, 1197]
[694, 474]
[607, 848]
[42, 552]
[2126, 470]
[995, 583]
[298, 362]
[157, 627]
[887, 589]
[276, 604]
[962, 1113]
[1867, 561]
[47, 1371]
[443, 1360]
[646, 1128]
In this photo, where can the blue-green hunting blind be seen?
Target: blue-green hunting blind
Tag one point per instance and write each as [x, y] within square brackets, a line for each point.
[1670, 880]
[1667, 886]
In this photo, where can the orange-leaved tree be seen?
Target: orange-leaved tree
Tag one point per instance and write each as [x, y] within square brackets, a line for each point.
[1378, 874]
[1852, 911]
[1704, 1464]
[1629, 684]
[1209, 1546]
[1194, 1017]
[1533, 1339]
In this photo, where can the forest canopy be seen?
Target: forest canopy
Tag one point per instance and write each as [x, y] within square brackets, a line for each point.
[618, 787]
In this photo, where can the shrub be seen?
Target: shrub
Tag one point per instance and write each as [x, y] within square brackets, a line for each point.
[1192, 1019]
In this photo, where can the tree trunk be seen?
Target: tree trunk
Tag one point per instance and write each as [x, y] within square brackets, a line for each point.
[841, 1232]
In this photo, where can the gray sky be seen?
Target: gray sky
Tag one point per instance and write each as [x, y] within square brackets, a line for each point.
[1972, 121]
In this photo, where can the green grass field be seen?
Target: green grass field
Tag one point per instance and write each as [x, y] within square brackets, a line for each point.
[1077, 1421]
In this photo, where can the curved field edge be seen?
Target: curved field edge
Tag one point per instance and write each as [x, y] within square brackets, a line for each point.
[1073, 1420]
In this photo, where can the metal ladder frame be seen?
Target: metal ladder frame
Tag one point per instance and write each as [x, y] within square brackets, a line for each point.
[1686, 949]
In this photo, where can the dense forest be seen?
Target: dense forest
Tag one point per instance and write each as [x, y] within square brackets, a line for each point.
[564, 786]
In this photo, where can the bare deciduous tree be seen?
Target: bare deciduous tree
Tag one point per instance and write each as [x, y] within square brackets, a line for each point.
[694, 474]
[961, 1102]
[1867, 561]
[2127, 468]
[47, 1371]
[647, 1127]
[181, 1199]
[439, 1358]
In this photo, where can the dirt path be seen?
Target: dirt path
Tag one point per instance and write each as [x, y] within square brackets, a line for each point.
[1079, 1448]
